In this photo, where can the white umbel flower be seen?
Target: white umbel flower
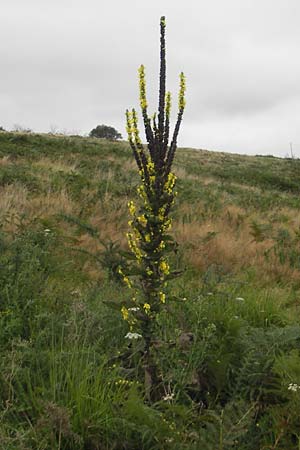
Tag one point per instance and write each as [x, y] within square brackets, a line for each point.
[293, 387]
[133, 336]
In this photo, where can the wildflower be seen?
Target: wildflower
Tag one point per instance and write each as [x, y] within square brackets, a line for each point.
[147, 307]
[168, 397]
[149, 271]
[162, 297]
[143, 101]
[293, 387]
[240, 299]
[162, 245]
[133, 336]
[134, 309]
[127, 282]
[131, 208]
[142, 220]
[124, 312]
[181, 96]
[164, 267]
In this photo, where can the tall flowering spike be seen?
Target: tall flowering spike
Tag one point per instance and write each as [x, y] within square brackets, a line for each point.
[168, 104]
[129, 125]
[135, 129]
[181, 96]
[162, 79]
[149, 239]
[167, 126]
[143, 99]
[181, 106]
[144, 105]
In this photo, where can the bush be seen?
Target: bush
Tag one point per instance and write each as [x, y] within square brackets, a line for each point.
[106, 132]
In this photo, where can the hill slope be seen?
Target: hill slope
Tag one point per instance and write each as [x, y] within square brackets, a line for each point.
[227, 344]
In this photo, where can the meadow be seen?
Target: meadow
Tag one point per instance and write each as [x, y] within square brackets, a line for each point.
[228, 338]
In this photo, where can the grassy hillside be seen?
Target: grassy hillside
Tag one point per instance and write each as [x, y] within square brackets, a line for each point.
[228, 344]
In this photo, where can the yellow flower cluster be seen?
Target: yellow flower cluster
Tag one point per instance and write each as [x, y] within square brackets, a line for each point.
[181, 96]
[164, 267]
[167, 225]
[132, 208]
[162, 245]
[170, 183]
[161, 213]
[168, 104]
[125, 278]
[133, 247]
[142, 194]
[150, 167]
[149, 272]
[147, 308]
[142, 220]
[162, 297]
[152, 179]
[132, 127]
[125, 313]
[143, 100]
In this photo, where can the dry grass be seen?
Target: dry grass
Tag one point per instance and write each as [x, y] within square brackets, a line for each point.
[57, 165]
[227, 241]
[51, 204]
[13, 200]
[4, 161]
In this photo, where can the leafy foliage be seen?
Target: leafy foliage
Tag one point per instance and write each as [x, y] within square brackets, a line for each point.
[105, 132]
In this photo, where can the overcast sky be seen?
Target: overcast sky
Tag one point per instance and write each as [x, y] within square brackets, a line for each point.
[71, 65]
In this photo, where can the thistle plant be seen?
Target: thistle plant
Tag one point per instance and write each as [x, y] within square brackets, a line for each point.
[150, 221]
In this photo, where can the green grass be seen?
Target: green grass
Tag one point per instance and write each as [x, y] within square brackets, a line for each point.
[227, 343]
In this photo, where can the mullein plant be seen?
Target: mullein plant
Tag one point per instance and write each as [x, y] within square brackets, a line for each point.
[150, 221]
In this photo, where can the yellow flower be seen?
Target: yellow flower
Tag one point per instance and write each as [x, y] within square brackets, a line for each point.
[168, 104]
[131, 208]
[147, 307]
[143, 101]
[142, 220]
[125, 312]
[162, 245]
[147, 237]
[163, 21]
[164, 267]
[162, 297]
[127, 282]
[133, 246]
[181, 96]
[149, 271]
[161, 213]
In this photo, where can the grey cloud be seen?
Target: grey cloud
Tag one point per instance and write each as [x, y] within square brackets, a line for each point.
[74, 64]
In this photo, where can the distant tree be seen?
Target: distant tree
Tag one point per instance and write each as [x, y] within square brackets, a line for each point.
[2, 129]
[104, 131]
